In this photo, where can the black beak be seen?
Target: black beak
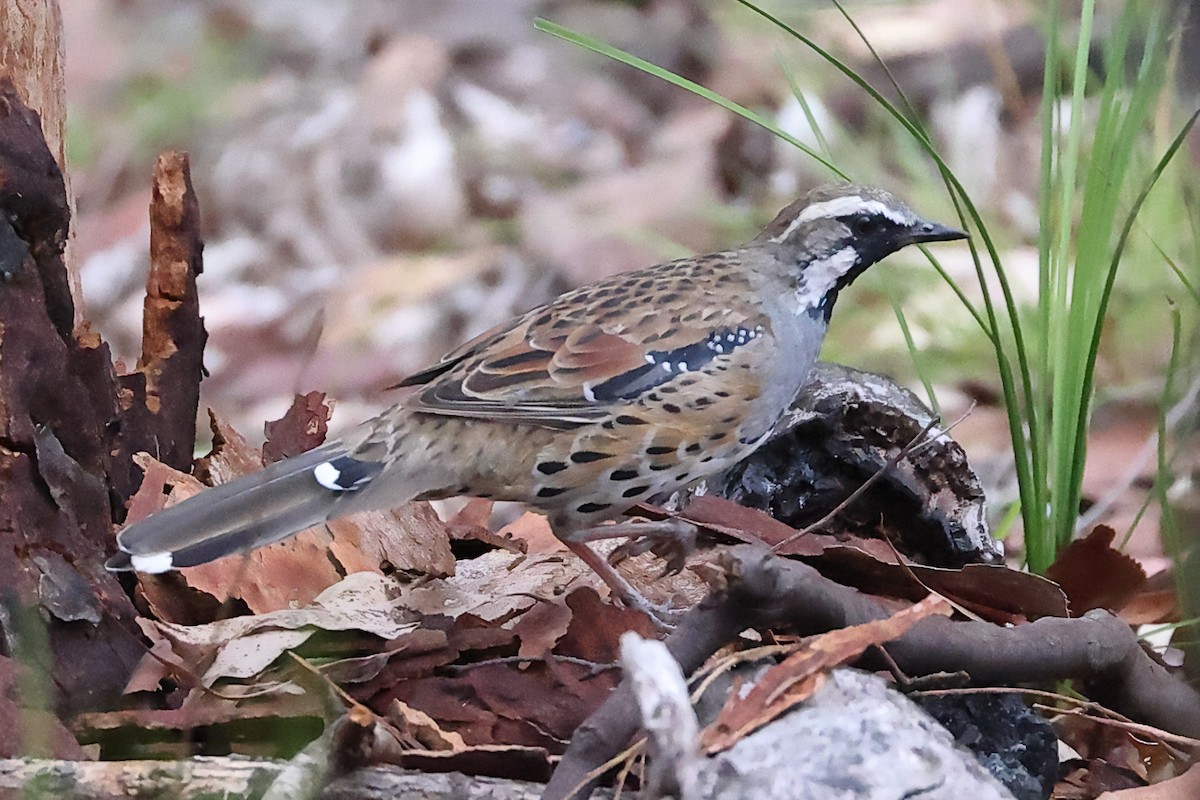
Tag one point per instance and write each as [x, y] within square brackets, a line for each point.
[933, 232]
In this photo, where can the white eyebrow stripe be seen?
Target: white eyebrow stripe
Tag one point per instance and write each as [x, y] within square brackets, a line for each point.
[842, 207]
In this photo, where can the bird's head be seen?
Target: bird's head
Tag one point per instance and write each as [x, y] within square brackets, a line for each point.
[830, 236]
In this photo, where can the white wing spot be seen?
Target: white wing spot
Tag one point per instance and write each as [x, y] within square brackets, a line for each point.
[328, 476]
[153, 563]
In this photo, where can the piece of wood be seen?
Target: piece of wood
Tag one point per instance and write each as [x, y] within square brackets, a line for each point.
[161, 396]
[57, 413]
[234, 778]
[761, 590]
[670, 723]
[31, 55]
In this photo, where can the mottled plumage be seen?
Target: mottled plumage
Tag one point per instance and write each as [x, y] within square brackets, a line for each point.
[632, 386]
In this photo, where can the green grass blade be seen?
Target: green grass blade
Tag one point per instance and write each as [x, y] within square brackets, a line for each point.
[1028, 459]
[1110, 278]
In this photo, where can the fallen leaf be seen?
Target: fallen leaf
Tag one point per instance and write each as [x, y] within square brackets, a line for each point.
[244, 646]
[794, 679]
[541, 627]
[534, 530]
[1094, 574]
[422, 729]
[1183, 787]
[411, 539]
[157, 481]
[497, 585]
[359, 669]
[596, 626]
[996, 593]
[250, 653]
[1151, 607]
[231, 456]
[302, 427]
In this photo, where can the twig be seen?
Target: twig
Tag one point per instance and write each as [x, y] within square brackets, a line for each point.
[1167, 737]
[763, 590]
[596, 667]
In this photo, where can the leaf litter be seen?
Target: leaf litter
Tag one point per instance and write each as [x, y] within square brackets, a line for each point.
[488, 664]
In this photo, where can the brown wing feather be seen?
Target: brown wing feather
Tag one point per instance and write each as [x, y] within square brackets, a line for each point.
[566, 364]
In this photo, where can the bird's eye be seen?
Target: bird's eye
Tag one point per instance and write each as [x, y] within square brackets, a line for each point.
[864, 224]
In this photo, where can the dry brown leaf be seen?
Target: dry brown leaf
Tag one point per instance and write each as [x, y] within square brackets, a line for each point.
[282, 575]
[541, 627]
[497, 585]
[411, 538]
[1087, 779]
[244, 646]
[1183, 787]
[422, 729]
[1094, 574]
[157, 480]
[531, 699]
[302, 427]
[596, 626]
[1110, 744]
[472, 523]
[995, 593]
[476, 513]
[410, 645]
[231, 456]
[1151, 607]
[534, 530]
[506, 704]
[794, 679]
[159, 661]
[291, 573]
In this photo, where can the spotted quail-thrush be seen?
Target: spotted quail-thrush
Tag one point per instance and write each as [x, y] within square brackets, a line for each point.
[630, 387]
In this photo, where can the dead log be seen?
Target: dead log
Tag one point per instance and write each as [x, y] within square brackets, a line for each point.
[57, 413]
[235, 778]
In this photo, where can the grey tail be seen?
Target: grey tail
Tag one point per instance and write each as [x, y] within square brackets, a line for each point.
[283, 499]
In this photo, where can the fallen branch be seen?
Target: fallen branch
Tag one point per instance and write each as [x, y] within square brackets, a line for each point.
[235, 778]
[761, 590]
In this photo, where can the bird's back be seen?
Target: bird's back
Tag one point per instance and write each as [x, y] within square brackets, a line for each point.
[625, 389]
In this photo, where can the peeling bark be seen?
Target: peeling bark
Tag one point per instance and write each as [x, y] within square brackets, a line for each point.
[57, 411]
[159, 399]
[31, 54]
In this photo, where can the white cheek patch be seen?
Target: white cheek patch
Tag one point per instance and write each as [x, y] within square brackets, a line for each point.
[822, 274]
[842, 207]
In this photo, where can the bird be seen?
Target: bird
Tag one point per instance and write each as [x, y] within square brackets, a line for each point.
[629, 388]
